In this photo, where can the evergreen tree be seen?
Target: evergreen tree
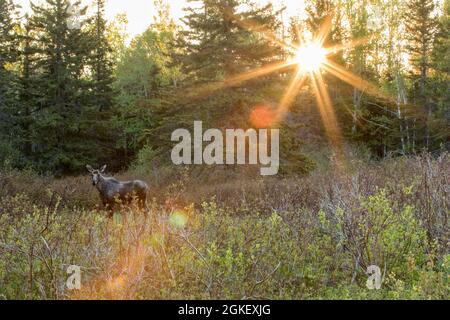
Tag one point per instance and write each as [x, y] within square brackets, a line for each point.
[220, 41]
[101, 61]
[8, 81]
[225, 39]
[421, 27]
[324, 22]
[30, 93]
[325, 15]
[71, 80]
[440, 82]
[8, 45]
[440, 62]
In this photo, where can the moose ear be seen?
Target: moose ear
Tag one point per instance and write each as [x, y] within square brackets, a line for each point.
[89, 168]
[103, 169]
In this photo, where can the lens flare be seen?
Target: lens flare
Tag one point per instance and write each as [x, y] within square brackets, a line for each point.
[311, 56]
[178, 219]
[262, 117]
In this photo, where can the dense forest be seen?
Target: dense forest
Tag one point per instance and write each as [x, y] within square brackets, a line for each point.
[364, 140]
[71, 96]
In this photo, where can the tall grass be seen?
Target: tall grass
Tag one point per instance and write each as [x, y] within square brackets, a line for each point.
[294, 238]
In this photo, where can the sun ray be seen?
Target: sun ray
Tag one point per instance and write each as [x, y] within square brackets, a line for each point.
[207, 89]
[266, 34]
[257, 73]
[352, 79]
[327, 112]
[300, 36]
[311, 58]
[290, 94]
[351, 44]
[254, 27]
[324, 31]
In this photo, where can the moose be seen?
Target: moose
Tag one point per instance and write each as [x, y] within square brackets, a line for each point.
[111, 189]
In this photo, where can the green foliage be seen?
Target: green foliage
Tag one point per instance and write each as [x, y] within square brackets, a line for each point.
[440, 58]
[71, 96]
[294, 240]
[145, 71]
[63, 97]
[8, 80]
[292, 159]
[38, 245]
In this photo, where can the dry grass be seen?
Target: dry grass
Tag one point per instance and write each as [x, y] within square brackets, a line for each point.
[295, 238]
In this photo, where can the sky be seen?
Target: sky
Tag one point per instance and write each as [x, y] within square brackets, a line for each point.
[140, 12]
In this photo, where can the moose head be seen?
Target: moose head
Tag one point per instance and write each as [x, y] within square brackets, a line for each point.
[95, 173]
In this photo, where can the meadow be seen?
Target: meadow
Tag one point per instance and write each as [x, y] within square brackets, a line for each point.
[355, 95]
[306, 237]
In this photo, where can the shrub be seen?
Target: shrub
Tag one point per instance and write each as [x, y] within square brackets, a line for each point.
[297, 238]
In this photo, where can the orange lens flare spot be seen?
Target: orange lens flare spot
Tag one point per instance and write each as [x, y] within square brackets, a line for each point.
[117, 283]
[262, 117]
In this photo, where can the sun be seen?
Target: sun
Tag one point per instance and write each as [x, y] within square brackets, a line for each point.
[311, 57]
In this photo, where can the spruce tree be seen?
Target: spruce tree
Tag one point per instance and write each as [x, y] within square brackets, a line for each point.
[224, 39]
[440, 82]
[8, 81]
[8, 39]
[64, 130]
[421, 27]
[29, 92]
[441, 64]
[101, 61]
[221, 38]
[325, 15]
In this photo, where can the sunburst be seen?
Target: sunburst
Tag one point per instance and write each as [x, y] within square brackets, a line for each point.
[311, 60]
[311, 57]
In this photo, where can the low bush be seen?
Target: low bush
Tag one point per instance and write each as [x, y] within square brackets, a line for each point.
[300, 238]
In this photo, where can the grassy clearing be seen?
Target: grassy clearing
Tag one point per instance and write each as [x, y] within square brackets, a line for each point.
[298, 238]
